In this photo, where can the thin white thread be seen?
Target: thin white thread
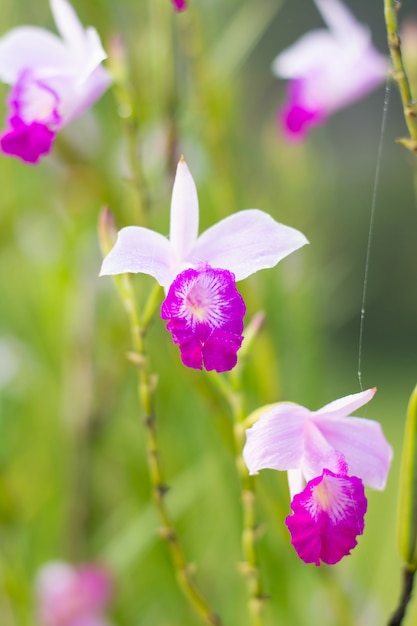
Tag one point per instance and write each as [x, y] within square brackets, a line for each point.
[371, 226]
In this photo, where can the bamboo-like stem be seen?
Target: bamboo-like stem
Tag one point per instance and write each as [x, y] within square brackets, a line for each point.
[407, 589]
[250, 530]
[146, 387]
[232, 390]
[391, 8]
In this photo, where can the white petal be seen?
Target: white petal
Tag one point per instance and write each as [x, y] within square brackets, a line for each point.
[76, 98]
[363, 444]
[85, 44]
[319, 453]
[276, 440]
[28, 47]
[296, 482]
[184, 213]
[314, 49]
[246, 242]
[341, 22]
[345, 406]
[67, 23]
[142, 250]
[94, 51]
[54, 579]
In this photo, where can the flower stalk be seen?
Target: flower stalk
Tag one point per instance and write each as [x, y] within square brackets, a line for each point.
[407, 588]
[146, 388]
[399, 74]
[407, 509]
[232, 390]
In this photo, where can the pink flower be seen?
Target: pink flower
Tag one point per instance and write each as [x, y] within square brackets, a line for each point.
[328, 515]
[325, 453]
[203, 308]
[69, 596]
[205, 313]
[53, 81]
[327, 70]
[179, 5]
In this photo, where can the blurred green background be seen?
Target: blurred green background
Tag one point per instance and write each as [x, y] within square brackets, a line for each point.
[73, 477]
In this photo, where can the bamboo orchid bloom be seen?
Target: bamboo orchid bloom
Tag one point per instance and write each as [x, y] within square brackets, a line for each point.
[202, 305]
[54, 80]
[328, 457]
[72, 596]
[179, 5]
[327, 70]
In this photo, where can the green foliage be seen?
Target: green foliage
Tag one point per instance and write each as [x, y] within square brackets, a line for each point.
[73, 477]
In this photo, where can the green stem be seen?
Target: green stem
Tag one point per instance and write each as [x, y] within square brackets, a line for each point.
[408, 580]
[391, 8]
[146, 389]
[151, 305]
[232, 390]
[250, 569]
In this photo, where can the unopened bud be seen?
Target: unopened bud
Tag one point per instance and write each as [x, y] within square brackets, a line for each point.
[107, 231]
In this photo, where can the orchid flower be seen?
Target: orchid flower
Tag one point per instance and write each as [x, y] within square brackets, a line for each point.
[69, 596]
[54, 80]
[327, 70]
[203, 307]
[328, 457]
[179, 5]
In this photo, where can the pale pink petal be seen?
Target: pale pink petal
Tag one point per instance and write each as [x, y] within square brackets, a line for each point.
[184, 213]
[341, 22]
[276, 439]
[362, 443]
[350, 76]
[246, 242]
[54, 584]
[345, 406]
[319, 453]
[76, 98]
[28, 47]
[67, 23]
[92, 89]
[72, 596]
[312, 50]
[85, 44]
[93, 50]
[142, 250]
[54, 578]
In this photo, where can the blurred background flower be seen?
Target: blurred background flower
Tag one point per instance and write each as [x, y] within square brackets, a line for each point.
[327, 70]
[53, 80]
[72, 596]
